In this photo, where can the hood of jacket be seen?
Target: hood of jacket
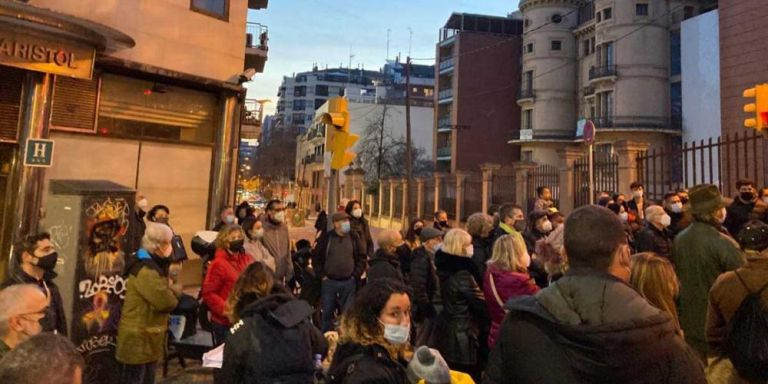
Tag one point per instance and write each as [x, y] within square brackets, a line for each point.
[280, 306]
[142, 258]
[600, 322]
[448, 264]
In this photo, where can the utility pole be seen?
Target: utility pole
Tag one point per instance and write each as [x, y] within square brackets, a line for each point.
[408, 153]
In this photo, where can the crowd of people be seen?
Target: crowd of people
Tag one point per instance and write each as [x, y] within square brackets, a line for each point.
[623, 291]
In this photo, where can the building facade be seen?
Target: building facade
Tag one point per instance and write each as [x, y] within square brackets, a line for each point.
[477, 78]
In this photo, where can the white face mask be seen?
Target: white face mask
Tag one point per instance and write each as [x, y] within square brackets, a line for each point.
[723, 215]
[546, 226]
[624, 217]
[142, 204]
[279, 217]
[257, 233]
[230, 219]
[357, 213]
[396, 334]
[638, 193]
[666, 220]
[469, 250]
[676, 207]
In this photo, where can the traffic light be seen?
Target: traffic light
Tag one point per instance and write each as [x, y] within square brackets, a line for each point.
[759, 107]
[338, 140]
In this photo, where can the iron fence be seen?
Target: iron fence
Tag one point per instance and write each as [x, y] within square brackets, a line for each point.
[544, 175]
[398, 212]
[503, 187]
[448, 197]
[385, 207]
[473, 196]
[606, 176]
[429, 198]
[720, 161]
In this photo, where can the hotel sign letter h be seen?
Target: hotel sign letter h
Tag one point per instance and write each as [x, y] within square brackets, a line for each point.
[39, 153]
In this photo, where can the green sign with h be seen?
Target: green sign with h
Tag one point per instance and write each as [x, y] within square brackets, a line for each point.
[39, 153]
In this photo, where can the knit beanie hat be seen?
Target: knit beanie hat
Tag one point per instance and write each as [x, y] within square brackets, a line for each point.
[428, 364]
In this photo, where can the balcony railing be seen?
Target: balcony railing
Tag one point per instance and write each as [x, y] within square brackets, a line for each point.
[539, 134]
[256, 36]
[444, 152]
[444, 122]
[604, 71]
[446, 64]
[637, 122]
[445, 94]
[525, 93]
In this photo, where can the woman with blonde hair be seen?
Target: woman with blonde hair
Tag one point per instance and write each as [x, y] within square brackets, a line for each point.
[273, 339]
[464, 319]
[654, 278]
[507, 277]
[230, 260]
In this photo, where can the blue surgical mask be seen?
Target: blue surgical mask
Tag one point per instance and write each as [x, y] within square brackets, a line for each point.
[396, 334]
[345, 227]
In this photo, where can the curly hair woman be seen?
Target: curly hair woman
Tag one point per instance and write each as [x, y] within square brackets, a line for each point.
[374, 336]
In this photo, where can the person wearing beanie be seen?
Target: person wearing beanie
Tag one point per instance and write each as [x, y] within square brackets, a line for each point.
[428, 365]
[339, 260]
[729, 291]
[655, 237]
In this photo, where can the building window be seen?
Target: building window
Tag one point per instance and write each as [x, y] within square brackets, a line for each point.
[605, 106]
[599, 17]
[527, 156]
[529, 48]
[607, 13]
[528, 80]
[214, 8]
[139, 109]
[641, 9]
[557, 45]
[674, 53]
[299, 105]
[300, 91]
[527, 22]
[527, 122]
[604, 54]
[586, 47]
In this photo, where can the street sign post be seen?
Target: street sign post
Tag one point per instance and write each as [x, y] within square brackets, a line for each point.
[589, 139]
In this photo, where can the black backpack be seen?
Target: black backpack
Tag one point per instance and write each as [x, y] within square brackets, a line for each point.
[747, 338]
[286, 352]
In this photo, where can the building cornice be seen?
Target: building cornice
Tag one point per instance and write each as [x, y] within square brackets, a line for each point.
[526, 5]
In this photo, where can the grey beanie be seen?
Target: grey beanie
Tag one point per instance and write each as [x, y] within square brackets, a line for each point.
[429, 365]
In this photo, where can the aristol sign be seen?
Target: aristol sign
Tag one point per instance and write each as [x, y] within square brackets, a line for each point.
[46, 54]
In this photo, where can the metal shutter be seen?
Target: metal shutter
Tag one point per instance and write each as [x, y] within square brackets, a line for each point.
[74, 104]
[10, 102]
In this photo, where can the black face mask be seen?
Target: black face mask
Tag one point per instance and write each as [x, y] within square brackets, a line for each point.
[236, 246]
[48, 262]
[417, 231]
[520, 225]
[443, 223]
[747, 196]
[162, 220]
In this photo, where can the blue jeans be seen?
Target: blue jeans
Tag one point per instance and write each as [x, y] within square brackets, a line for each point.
[344, 291]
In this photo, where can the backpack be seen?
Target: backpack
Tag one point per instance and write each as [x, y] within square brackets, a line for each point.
[747, 336]
[286, 352]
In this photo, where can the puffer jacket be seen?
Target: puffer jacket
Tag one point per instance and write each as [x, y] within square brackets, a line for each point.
[251, 358]
[219, 281]
[384, 265]
[365, 364]
[653, 239]
[464, 317]
[590, 327]
[702, 253]
[423, 282]
[149, 300]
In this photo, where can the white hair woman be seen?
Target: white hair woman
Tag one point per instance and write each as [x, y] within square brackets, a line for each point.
[506, 277]
[150, 296]
[464, 312]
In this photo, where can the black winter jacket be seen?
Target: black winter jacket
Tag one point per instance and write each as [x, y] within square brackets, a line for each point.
[423, 282]
[136, 229]
[54, 319]
[384, 265]
[482, 250]
[358, 364]
[363, 230]
[590, 327]
[652, 239]
[249, 358]
[464, 317]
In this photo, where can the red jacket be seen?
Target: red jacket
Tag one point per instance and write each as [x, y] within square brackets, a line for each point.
[219, 281]
[508, 285]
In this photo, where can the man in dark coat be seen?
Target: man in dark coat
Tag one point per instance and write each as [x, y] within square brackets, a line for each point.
[745, 207]
[33, 262]
[423, 277]
[136, 225]
[591, 326]
[385, 263]
[655, 237]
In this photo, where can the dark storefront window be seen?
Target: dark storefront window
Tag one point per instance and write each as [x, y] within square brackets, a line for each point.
[133, 108]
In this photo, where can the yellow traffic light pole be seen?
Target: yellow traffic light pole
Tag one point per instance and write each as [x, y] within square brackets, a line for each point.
[338, 141]
[759, 107]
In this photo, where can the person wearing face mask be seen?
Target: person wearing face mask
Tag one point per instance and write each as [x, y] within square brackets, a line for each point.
[385, 263]
[636, 206]
[511, 222]
[375, 332]
[464, 319]
[507, 277]
[162, 214]
[655, 236]
[360, 226]
[254, 231]
[702, 252]
[136, 225]
[151, 293]
[619, 210]
[674, 207]
[339, 261]
[479, 226]
[231, 259]
[22, 306]
[593, 313]
[277, 240]
[423, 281]
[538, 228]
[34, 260]
[441, 221]
[412, 235]
[745, 207]
[226, 217]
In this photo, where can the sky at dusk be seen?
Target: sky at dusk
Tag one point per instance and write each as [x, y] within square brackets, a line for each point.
[303, 32]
